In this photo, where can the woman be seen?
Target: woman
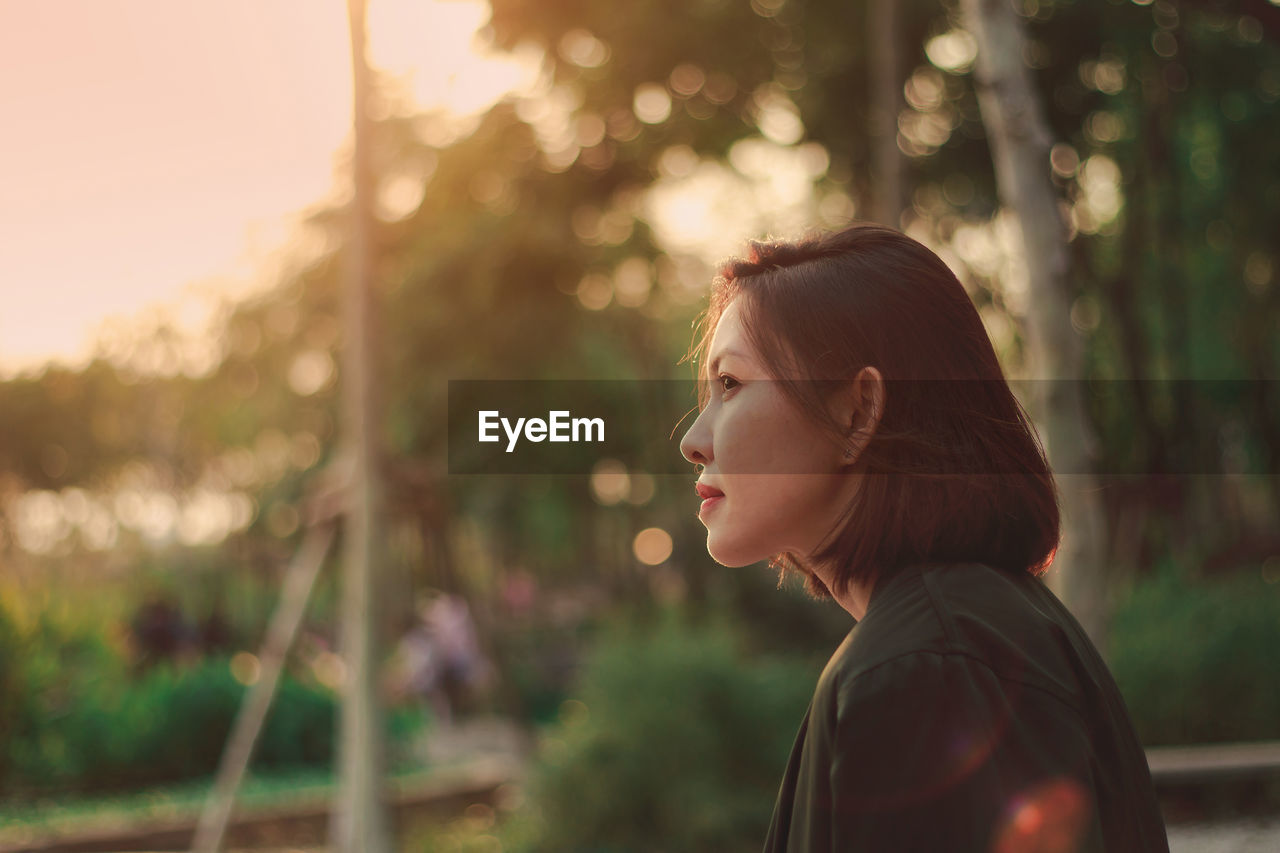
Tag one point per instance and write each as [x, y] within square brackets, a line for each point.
[855, 427]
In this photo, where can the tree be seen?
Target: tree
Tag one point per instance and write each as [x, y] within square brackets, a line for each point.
[1020, 144]
[886, 100]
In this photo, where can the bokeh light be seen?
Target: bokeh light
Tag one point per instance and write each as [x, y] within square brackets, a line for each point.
[652, 546]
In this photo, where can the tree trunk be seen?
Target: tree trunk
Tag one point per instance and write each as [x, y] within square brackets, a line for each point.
[886, 89]
[360, 820]
[1019, 139]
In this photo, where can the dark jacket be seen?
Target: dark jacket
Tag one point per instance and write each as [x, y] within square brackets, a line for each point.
[967, 711]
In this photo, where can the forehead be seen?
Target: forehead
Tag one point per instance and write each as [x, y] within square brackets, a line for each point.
[729, 337]
[729, 327]
[730, 341]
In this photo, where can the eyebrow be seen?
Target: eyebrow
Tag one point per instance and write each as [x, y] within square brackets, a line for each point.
[720, 356]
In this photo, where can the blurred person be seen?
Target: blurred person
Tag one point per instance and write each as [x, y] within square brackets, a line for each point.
[438, 660]
[420, 670]
[463, 667]
[419, 673]
[856, 429]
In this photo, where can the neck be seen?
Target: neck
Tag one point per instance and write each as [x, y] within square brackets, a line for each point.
[855, 599]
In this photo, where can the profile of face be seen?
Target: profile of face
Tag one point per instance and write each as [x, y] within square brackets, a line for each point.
[782, 481]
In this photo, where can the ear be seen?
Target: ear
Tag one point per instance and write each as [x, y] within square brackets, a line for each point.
[861, 405]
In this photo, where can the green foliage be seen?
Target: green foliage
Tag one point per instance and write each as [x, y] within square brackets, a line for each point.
[1197, 663]
[537, 664]
[674, 735]
[54, 661]
[11, 686]
[169, 724]
[73, 717]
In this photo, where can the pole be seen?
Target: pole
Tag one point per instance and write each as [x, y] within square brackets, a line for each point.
[298, 583]
[360, 820]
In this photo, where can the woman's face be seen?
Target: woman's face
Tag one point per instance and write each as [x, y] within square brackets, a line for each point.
[783, 481]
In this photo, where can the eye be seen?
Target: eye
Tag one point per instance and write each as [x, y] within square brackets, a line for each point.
[726, 382]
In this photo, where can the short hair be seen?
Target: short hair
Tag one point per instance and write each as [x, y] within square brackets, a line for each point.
[954, 470]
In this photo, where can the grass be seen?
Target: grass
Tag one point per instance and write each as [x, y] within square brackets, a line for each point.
[24, 821]
[58, 815]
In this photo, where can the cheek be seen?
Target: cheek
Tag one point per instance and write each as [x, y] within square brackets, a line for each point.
[769, 506]
[784, 512]
[750, 446]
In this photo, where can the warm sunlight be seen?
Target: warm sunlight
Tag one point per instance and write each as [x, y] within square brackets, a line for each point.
[157, 154]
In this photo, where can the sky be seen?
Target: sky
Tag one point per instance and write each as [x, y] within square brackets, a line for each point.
[156, 154]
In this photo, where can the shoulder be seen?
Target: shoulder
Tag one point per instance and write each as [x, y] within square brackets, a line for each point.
[938, 623]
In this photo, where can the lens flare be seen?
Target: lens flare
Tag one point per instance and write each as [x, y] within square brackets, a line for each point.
[1050, 818]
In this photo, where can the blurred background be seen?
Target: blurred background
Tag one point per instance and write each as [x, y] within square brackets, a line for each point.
[553, 183]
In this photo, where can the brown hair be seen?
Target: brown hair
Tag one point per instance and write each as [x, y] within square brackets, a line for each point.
[954, 470]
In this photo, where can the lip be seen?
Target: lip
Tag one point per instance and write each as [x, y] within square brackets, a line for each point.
[705, 491]
[711, 497]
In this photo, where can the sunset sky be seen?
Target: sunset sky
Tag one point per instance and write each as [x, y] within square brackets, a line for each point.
[156, 153]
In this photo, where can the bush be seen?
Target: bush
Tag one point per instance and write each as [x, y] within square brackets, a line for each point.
[54, 665]
[538, 663]
[10, 688]
[78, 715]
[168, 724]
[673, 735]
[1197, 662]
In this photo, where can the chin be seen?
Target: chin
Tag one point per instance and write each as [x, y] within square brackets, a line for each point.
[732, 557]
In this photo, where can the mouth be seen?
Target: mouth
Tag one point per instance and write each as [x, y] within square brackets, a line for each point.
[711, 497]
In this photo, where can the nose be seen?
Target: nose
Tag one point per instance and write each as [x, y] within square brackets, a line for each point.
[696, 444]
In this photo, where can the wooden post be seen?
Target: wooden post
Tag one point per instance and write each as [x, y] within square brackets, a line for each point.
[360, 819]
[298, 583]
